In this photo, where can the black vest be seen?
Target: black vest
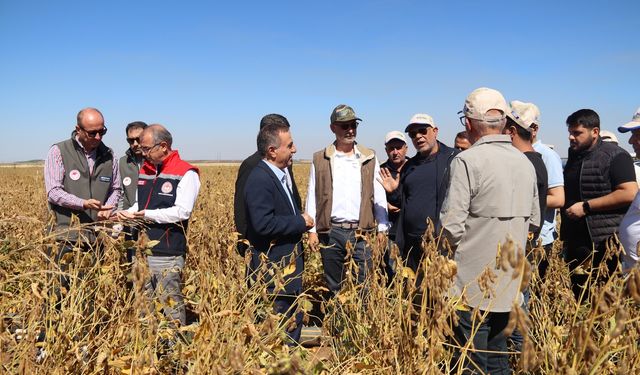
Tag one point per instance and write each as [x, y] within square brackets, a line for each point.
[594, 183]
[158, 189]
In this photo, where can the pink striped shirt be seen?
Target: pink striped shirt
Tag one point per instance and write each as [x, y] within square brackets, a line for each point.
[54, 175]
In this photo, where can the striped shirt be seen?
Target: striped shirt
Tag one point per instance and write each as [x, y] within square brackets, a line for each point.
[54, 175]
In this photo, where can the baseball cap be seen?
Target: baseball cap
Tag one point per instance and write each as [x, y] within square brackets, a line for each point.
[633, 125]
[608, 136]
[421, 119]
[394, 135]
[524, 114]
[482, 100]
[343, 113]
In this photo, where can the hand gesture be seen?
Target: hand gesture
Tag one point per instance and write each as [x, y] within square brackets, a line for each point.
[387, 181]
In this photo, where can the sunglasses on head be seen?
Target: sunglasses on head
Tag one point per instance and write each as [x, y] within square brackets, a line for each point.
[414, 133]
[93, 134]
[131, 140]
[348, 125]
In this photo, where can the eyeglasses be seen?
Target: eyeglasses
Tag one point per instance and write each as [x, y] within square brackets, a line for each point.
[348, 125]
[131, 140]
[462, 121]
[414, 133]
[145, 150]
[93, 134]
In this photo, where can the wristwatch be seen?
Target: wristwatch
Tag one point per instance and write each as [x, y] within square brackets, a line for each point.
[586, 207]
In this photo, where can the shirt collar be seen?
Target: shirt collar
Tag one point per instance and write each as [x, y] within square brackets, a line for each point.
[277, 171]
[92, 153]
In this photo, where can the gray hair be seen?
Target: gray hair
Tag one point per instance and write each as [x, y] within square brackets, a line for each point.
[269, 136]
[493, 122]
[160, 134]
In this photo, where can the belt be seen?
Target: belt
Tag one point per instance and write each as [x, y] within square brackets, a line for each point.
[345, 225]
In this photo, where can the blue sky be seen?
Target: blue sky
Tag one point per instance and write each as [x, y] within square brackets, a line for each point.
[209, 71]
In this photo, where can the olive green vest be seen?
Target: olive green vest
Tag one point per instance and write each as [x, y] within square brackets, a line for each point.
[79, 182]
[323, 163]
[129, 171]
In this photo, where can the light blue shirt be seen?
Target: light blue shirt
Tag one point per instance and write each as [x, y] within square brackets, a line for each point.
[283, 178]
[553, 163]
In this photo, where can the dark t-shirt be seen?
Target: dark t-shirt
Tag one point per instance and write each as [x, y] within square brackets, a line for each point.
[542, 181]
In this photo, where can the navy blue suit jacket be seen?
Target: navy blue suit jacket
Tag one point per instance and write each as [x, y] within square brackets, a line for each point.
[274, 227]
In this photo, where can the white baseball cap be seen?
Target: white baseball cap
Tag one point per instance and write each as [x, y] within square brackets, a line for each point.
[394, 135]
[482, 100]
[524, 114]
[421, 119]
[608, 136]
[633, 125]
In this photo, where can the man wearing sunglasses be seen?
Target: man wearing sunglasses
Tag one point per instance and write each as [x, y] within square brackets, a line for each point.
[81, 177]
[81, 180]
[420, 187]
[130, 165]
[345, 200]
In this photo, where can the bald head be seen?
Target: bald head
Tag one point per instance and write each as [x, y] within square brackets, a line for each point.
[89, 115]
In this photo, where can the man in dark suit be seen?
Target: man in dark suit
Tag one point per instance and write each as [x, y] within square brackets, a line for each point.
[243, 173]
[275, 223]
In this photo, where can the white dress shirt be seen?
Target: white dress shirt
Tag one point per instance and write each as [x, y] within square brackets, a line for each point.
[186, 195]
[347, 191]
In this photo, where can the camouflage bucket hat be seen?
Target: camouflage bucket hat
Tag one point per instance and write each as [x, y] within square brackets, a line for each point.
[343, 113]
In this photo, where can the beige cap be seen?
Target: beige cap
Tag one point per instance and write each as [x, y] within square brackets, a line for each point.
[394, 135]
[482, 100]
[421, 119]
[633, 125]
[524, 114]
[608, 136]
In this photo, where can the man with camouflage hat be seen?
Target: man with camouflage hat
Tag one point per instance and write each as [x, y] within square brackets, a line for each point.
[481, 212]
[345, 200]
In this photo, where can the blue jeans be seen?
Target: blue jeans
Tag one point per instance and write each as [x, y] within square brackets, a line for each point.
[487, 336]
[334, 256]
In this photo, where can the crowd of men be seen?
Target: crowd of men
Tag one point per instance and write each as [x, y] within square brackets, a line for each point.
[498, 183]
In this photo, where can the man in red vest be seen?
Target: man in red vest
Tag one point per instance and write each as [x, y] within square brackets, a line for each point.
[167, 192]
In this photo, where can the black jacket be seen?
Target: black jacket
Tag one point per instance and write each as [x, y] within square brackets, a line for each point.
[443, 161]
[239, 215]
[274, 228]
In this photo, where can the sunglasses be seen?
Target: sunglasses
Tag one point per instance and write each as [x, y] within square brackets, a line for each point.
[94, 133]
[347, 126]
[414, 133]
[132, 140]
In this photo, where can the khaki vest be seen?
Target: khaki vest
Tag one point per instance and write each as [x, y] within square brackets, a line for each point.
[79, 182]
[322, 163]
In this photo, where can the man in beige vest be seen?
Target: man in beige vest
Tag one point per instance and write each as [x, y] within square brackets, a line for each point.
[345, 198]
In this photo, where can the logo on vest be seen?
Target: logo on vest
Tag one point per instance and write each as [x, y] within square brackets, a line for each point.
[141, 182]
[126, 181]
[74, 175]
[167, 187]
